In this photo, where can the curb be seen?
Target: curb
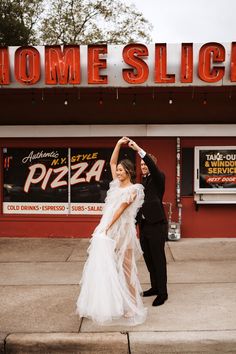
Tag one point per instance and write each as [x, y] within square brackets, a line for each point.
[62, 343]
[185, 342]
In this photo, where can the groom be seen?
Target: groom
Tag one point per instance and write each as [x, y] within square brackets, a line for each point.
[153, 225]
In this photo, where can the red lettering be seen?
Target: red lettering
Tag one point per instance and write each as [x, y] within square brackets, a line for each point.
[233, 63]
[27, 65]
[211, 53]
[4, 67]
[131, 55]
[161, 65]
[13, 207]
[187, 63]
[62, 67]
[95, 64]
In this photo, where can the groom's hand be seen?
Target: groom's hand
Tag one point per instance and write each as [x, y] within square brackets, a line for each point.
[133, 145]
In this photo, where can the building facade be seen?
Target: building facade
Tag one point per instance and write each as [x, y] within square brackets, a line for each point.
[63, 109]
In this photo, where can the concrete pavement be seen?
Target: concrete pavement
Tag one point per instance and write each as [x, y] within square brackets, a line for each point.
[39, 287]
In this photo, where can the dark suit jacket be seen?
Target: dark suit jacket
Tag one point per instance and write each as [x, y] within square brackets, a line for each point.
[154, 188]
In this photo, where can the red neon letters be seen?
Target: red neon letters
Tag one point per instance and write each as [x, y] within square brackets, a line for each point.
[95, 64]
[233, 63]
[211, 53]
[187, 63]
[161, 75]
[63, 65]
[4, 67]
[140, 71]
[27, 65]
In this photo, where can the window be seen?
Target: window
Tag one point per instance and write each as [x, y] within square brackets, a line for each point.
[57, 180]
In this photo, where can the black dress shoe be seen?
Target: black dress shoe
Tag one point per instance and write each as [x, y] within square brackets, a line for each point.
[149, 292]
[159, 300]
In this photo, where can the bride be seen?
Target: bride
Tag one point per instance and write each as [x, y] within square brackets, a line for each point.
[110, 288]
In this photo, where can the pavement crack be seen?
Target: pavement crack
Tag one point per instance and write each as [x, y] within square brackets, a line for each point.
[129, 349]
[170, 252]
[80, 325]
[128, 341]
[69, 255]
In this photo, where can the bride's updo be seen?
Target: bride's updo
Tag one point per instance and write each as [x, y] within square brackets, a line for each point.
[129, 169]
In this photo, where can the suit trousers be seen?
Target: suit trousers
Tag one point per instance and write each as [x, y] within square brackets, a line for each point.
[152, 240]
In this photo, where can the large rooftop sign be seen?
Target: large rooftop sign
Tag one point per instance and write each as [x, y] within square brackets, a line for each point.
[160, 64]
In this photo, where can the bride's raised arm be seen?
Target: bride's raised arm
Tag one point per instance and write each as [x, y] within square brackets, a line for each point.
[115, 155]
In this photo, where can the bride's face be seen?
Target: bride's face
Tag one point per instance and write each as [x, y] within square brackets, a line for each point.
[121, 174]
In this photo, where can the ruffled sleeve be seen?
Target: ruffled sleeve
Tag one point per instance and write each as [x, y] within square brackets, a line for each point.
[134, 196]
[139, 190]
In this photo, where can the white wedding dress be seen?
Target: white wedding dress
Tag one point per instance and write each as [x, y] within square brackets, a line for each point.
[110, 288]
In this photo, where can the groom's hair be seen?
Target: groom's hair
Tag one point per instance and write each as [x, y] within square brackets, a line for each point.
[129, 169]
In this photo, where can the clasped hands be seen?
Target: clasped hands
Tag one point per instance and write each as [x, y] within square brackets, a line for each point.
[131, 143]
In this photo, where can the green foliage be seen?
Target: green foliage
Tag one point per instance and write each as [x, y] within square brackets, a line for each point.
[18, 20]
[12, 29]
[30, 22]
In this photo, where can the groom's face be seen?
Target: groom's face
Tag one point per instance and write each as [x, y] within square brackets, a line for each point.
[144, 168]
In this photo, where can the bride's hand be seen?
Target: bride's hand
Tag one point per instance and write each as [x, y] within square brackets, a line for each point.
[123, 140]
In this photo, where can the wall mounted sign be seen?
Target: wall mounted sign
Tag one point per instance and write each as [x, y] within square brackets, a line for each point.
[136, 64]
[57, 180]
[215, 174]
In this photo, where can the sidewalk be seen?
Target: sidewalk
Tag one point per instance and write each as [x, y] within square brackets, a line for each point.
[39, 287]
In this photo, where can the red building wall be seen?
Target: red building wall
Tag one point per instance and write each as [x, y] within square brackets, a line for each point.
[208, 221]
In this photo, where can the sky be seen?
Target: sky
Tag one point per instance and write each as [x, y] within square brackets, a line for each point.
[197, 21]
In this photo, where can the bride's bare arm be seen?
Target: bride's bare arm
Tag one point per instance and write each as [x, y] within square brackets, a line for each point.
[120, 211]
[115, 155]
[117, 214]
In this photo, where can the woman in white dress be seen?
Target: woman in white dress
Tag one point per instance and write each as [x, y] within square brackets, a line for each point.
[110, 288]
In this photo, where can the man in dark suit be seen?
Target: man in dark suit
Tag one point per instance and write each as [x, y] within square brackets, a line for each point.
[153, 225]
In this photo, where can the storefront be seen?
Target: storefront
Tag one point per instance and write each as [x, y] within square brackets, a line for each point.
[63, 109]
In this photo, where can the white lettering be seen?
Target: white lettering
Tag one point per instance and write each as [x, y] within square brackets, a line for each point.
[38, 173]
[57, 181]
[39, 155]
[96, 171]
[81, 167]
[30, 180]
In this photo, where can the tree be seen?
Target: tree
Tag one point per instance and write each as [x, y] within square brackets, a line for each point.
[18, 21]
[93, 21]
[31, 12]
[31, 22]
[12, 30]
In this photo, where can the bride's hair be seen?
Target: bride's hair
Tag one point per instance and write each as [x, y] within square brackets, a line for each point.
[129, 169]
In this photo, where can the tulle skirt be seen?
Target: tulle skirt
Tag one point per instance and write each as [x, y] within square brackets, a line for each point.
[109, 295]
